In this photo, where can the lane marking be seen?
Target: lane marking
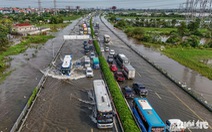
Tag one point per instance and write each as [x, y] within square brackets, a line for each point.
[115, 125]
[139, 74]
[66, 129]
[188, 107]
[158, 95]
[91, 129]
[189, 130]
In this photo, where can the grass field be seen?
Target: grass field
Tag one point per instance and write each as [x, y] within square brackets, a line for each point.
[74, 17]
[149, 17]
[192, 58]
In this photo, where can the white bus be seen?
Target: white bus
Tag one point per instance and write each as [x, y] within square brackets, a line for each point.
[66, 66]
[103, 111]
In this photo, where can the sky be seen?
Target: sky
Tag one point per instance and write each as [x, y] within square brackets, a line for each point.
[127, 4]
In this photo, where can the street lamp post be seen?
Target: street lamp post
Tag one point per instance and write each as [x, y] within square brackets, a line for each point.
[53, 47]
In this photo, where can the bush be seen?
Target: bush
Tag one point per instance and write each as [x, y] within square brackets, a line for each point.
[32, 97]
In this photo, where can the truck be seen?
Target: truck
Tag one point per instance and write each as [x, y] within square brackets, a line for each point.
[106, 39]
[95, 63]
[85, 30]
[128, 71]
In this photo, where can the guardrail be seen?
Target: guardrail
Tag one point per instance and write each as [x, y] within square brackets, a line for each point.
[188, 90]
[25, 112]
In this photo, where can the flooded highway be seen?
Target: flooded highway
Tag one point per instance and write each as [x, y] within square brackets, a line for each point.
[168, 100]
[65, 104]
[18, 87]
[193, 80]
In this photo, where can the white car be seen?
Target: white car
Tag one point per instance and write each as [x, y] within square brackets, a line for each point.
[112, 52]
[102, 49]
[107, 49]
[173, 125]
[92, 55]
[89, 72]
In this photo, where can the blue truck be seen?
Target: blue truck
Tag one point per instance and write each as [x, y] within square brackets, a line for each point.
[95, 63]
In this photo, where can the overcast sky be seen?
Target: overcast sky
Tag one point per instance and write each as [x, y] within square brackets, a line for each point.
[159, 4]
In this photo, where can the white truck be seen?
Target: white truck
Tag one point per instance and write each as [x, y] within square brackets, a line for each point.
[128, 71]
[87, 62]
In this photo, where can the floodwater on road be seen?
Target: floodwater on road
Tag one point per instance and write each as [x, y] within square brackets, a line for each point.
[191, 78]
[65, 104]
[27, 66]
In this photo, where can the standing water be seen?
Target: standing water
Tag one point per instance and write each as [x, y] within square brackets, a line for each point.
[17, 88]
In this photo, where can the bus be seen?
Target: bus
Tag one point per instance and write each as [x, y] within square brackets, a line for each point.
[147, 118]
[66, 66]
[103, 111]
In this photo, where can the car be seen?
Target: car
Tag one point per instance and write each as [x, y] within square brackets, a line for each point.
[173, 125]
[90, 41]
[119, 76]
[107, 49]
[128, 92]
[80, 32]
[112, 52]
[84, 42]
[102, 49]
[113, 68]
[110, 59]
[78, 65]
[140, 89]
[92, 55]
[91, 48]
[89, 72]
[86, 46]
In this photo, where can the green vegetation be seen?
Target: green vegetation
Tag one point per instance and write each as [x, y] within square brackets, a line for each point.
[19, 48]
[32, 97]
[4, 76]
[123, 111]
[148, 17]
[72, 17]
[192, 58]
[180, 35]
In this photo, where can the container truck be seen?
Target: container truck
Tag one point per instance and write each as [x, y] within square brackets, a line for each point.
[128, 71]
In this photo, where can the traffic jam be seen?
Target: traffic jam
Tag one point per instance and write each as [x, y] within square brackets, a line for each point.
[122, 70]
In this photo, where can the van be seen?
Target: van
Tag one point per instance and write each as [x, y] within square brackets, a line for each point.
[121, 59]
[87, 62]
[106, 38]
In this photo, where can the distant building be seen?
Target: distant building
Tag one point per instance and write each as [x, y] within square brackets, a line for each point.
[28, 29]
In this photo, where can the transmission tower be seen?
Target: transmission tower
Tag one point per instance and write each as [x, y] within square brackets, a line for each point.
[39, 5]
[55, 7]
[201, 9]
